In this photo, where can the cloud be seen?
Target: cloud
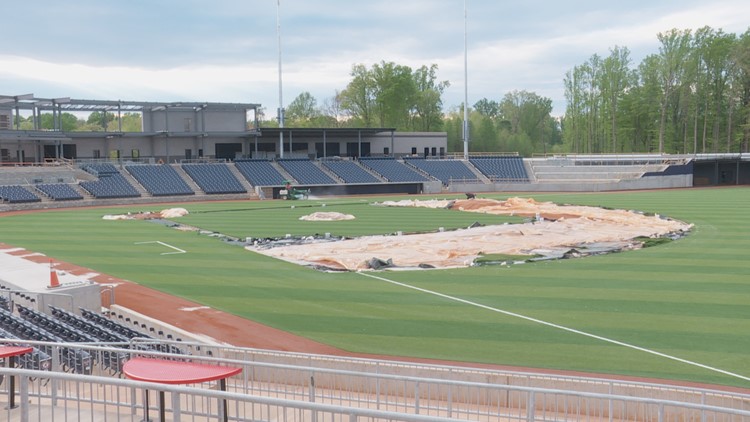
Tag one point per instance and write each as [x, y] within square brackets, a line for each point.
[227, 50]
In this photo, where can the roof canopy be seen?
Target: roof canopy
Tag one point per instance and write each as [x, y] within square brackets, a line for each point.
[29, 102]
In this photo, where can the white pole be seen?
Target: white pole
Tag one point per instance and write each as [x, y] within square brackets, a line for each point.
[281, 100]
[466, 88]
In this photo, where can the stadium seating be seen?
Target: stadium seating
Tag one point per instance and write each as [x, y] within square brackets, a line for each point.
[72, 359]
[214, 178]
[160, 180]
[260, 172]
[305, 172]
[505, 169]
[17, 195]
[392, 170]
[98, 169]
[444, 170]
[110, 186]
[36, 360]
[349, 171]
[59, 191]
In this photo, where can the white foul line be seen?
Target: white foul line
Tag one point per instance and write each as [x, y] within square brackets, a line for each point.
[560, 327]
[164, 244]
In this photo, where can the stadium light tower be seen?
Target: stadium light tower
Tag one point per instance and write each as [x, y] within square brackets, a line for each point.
[281, 99]
[466, 88]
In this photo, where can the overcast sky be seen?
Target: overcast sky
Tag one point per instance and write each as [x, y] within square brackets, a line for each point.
[227, 50]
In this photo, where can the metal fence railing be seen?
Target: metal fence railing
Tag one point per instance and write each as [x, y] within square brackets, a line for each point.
[293, 381]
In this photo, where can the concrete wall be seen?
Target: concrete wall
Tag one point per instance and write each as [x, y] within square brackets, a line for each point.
[174, 120]
[403, 143]
[654, 182]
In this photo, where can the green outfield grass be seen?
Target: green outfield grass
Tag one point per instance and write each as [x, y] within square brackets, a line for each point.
[688, 299]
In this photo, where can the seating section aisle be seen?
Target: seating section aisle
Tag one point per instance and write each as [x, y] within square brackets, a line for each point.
[444, 170]
[260, 172]
[505, 169]
[160, 180]
[305, 172]
[392, 170]
[110, 186]
[214, 178]
[17, 194]
[350, 172]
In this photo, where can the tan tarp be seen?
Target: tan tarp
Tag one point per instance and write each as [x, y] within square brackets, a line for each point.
[554, 227]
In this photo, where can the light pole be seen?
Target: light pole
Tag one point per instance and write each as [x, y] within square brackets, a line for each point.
[466, 88]
[281, 100]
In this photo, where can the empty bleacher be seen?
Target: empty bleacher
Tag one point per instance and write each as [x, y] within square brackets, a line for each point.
[260, 172]
[349, 171]
[98, 169]
[59, 191]
[214, 178]
[501, 169]
[445, 170]
[110, 185]
[72, 359]
[160, 180]
[17, 195]
[597, 169]
[305, 172]
[392, 170]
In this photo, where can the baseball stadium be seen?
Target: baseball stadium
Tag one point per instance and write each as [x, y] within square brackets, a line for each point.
[208, 269]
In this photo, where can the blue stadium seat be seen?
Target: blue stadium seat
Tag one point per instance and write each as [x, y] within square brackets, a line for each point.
[59, 191]
[17, 194]
[214, 178]
[160, 180]
[506, 169]
[110, 186]
[260, 172]
[444, 170]
[350, 171]
[392, 170]
[305, 172]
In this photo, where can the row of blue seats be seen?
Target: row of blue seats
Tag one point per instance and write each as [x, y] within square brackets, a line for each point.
[260, 172]
[214, 178]
[509, 169]
[163, 180]
[350, 172]
[15, 194]
[160, 180]
[444, 170]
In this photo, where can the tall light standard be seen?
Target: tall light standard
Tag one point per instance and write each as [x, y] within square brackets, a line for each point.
[281, 99]
[466, 88]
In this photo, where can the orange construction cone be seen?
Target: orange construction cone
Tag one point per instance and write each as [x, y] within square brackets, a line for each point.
[53, 280]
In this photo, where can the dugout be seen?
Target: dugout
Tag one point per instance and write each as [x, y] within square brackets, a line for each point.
[721, 170]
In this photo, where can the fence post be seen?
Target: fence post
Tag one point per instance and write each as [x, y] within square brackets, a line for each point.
[176, 407]
[530, 407]
[23, 388]
[416, 398]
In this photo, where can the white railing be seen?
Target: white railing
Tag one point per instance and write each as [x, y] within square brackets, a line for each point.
[390, 386]
[81, 397]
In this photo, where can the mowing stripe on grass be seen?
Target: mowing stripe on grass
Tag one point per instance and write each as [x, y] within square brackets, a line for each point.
[163, 244]
[559, 327]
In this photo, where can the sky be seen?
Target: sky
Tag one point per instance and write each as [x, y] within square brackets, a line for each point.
[228, 50]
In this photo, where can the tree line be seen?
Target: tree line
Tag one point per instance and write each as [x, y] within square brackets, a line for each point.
[691, 97]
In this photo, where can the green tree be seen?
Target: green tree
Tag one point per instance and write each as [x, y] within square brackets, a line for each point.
[394, 94]
[528, 114]
[303, 111]
[427, 102]
[358, 99]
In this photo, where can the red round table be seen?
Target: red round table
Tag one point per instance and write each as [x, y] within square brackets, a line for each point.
[11, 352]
[177, 372]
